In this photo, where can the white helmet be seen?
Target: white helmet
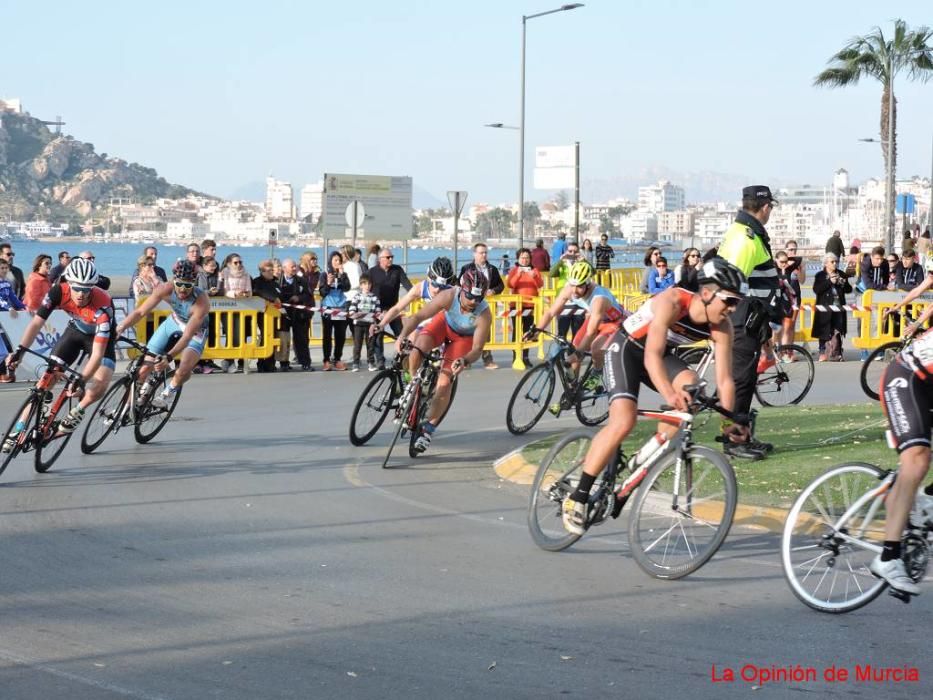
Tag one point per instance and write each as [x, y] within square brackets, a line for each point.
[81, 271]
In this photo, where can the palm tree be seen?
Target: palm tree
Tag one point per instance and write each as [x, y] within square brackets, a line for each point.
[882, 59]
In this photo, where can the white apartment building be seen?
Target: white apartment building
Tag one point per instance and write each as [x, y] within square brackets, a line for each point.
[661, 197]
[709, 226]
[677, 224]
[279, 199]
[187, 230]
[312, 200]
[639, 226]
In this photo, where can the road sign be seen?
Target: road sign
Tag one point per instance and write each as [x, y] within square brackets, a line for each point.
[456, 198]
[906, 203]
[386, 200]
[555, 167]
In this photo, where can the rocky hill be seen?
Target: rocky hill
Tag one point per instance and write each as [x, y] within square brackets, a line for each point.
[58, 176]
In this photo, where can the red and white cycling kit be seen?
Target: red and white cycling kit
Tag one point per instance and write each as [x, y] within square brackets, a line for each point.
[90, 324]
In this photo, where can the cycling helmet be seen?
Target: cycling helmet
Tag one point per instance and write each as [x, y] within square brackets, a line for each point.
[185, 270]
[723, 274]
[581, 272]
[441, 271]
[81, 272]
[474, 283]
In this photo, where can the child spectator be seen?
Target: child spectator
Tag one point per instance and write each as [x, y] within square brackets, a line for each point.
[8, 302]
[660, 278]
[362, 312]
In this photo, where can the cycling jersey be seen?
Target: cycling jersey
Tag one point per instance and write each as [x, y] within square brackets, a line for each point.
[455, 327]
[613, 314]
[463, 322]
[683, 332]
[176, 323]
[426, 290]
[918, 356]
[96, 318]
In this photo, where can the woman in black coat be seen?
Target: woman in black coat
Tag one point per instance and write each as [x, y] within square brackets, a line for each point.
[830, 286]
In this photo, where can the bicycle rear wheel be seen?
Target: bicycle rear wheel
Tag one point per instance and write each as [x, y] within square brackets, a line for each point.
[825, 556]
[530, 399]
[373, 406]
[402, 417]
[592, 405]
[555, 480]
[151, 419]
[104, 419]
[874, 366]
[789, 380]
[29, 408]
[670, 536]
[49, 442]
[418, 416]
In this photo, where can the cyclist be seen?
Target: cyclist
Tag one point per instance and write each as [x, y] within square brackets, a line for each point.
[459, 316]
[604, 312]
[640, 352]
[91, 330]
[188, 323]
[440, 276]
[907, 397]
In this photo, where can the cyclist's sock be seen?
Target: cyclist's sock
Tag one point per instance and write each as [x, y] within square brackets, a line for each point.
[428, 428]
[928, 489]
[582, 494]
[892, 550]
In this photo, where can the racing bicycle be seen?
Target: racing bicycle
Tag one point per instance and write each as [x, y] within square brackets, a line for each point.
[129, 402]
[834, 530]
[41, 413]
[684, 494]
[532, 396]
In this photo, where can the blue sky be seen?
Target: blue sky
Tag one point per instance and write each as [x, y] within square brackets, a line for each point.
[218, 94]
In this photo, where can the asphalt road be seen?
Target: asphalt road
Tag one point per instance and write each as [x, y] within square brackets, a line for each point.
[251, 552]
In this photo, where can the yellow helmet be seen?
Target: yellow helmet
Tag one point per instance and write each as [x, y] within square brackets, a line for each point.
[581, 272]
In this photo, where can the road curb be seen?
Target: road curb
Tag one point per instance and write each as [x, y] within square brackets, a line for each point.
[513, 467]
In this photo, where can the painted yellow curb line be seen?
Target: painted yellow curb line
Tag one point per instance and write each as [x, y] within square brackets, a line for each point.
[515, 468]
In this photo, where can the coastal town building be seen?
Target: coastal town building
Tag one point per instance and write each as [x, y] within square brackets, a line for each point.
[663, 196]
[312, 201]
[279, 199]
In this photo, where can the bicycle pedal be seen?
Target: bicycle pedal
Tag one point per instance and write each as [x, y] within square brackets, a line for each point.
[619, 505]
[900, 595]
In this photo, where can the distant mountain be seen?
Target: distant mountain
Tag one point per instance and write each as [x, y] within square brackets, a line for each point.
[422, 199]
[64, 178]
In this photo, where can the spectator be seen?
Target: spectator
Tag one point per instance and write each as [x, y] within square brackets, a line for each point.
[235, 283]
[525, 280]
[208, 249]
[38, 282]
[660, 278]
[893, 262]
[387, 278]
[908, 274]
[923, 245]
[571, 320]
[788, 299]
[14, 275]
[295, 291]
[496, 285]
[372, 258]
[540, 260]
[64, 257]
[559, 247]
[333, 288]
[588, 253]
[266, 286]
[362, 312]
[604, 254]
[146, 280]
[193, 254]
[830, 287]
[685, 274]
[797, 274]
[875, 272]
[651, 259]
[9, 301]
[153, 253]
[852, 262]
[359, 258]
[835, 246]
[208, 277]
[351, 267]
[505, 264]
[102, 280]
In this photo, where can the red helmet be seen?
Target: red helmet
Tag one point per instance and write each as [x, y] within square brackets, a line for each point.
[474, 283]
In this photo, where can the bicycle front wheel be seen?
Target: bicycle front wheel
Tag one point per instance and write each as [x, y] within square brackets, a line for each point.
[28, 410]
[825, 555]
[103, 421]
[789, 380]
[50, 443]
[682, 512]
[530, 399]
[372, 407]
[151, 419]
[407, 404]
[593, 402]
[555, 480]
[874, 366]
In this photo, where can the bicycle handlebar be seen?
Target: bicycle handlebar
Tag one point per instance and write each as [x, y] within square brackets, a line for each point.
[565, 344]
[698, 400]
[142, 348]
[52, 363]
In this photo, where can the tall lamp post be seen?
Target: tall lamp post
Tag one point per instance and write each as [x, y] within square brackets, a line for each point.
[521, 123]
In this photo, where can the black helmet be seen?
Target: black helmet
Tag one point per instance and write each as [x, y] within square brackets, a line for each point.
[185, 270]
[474, 283]
[441, 271]
[723, 274]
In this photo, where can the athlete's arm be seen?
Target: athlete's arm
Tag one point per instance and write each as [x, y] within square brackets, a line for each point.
[439, 303]
[597, 311]
[160, 293]
[199, 312]
[556, 306]
[666, 311]
[722, 337]
[480, 336]
[396, 310]
[912, 294]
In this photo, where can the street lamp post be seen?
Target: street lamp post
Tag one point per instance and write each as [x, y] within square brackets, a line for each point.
[521, 123]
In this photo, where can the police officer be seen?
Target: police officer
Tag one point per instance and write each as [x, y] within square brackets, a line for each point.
[746, 245]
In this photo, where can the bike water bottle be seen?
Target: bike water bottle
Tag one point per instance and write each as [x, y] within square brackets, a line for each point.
[649, 449]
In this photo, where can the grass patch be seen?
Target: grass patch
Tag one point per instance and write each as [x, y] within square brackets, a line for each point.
[807, 439]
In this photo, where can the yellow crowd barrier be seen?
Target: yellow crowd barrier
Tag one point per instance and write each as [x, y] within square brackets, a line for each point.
[876, 330]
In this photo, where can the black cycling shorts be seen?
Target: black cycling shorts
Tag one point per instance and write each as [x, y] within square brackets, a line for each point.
[905, 398]
[73, 342]
[624, 368]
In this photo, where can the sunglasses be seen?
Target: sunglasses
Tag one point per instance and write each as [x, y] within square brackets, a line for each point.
[693, 255]
[471, 296]
[236, 262]
[661, 266]
[387, 257]
[183, 285]
[81, 290]
[439, 285]
[90, 257]
[728, 299]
